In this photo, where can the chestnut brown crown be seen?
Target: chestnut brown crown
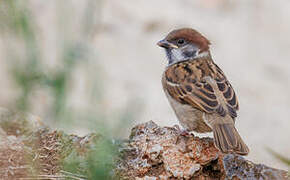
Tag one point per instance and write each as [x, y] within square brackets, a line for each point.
[191, 36]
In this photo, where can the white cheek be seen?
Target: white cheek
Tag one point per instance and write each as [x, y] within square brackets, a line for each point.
[177, 55]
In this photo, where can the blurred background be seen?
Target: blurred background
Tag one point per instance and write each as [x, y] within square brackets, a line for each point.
[93, 65]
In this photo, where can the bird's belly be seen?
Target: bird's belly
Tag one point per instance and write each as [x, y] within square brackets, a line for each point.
[190, 118]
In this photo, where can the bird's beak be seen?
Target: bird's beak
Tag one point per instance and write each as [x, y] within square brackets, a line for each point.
[165, 44]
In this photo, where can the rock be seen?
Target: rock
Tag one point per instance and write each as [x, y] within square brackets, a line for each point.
[30, 150]
[237, 166]
[155, 152]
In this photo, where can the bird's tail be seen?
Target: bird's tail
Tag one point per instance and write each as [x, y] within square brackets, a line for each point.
[227, 139]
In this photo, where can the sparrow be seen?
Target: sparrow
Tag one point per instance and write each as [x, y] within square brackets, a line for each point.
[199, 92]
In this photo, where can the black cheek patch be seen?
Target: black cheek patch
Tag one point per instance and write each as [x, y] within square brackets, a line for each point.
[189, 54]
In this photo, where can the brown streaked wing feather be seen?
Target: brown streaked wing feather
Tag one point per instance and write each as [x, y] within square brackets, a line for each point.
[187, 88]
[183, 86]
[228, 92]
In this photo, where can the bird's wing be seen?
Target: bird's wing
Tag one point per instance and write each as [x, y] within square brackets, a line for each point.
[228, 93]
[184, 87]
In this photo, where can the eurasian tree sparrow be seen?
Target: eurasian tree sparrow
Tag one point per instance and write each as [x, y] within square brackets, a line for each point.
[198, 91]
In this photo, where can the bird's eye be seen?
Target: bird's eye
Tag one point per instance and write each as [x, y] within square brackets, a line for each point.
[180, 41]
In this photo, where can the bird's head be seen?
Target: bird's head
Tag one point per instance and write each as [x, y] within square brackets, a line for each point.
[184, 44]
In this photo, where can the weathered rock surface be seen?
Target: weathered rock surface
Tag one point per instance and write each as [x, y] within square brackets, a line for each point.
[155, 152]
[28, 149]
